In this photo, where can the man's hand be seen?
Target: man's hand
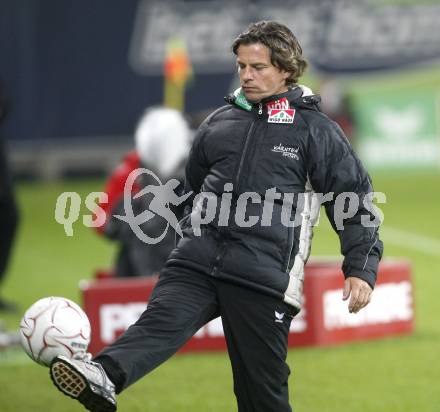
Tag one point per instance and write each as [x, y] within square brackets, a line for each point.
[360, 292]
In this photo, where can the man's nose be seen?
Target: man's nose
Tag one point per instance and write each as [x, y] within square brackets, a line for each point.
[246, 74]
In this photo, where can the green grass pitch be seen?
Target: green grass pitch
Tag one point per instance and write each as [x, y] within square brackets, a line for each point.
[390, 375]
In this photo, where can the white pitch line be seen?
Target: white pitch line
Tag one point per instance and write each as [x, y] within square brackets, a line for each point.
[410, 240]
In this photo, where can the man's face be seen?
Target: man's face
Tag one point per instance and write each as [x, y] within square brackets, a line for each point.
[259, 78]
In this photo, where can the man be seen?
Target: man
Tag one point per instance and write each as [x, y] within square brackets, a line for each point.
[9, 215]
[245, 264]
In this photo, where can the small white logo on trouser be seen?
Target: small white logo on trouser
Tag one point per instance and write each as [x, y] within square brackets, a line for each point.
[279, 317]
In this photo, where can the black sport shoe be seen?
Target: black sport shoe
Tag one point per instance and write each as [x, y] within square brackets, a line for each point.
[85, 381]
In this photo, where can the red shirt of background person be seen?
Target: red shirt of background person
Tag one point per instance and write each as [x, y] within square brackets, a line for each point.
[114, 188]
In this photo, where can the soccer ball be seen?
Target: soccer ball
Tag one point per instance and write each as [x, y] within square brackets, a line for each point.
[54, 326]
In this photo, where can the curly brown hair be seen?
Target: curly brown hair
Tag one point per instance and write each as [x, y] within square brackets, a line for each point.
[286, 52]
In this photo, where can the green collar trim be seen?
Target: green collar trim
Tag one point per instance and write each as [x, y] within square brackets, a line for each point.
[241, 101]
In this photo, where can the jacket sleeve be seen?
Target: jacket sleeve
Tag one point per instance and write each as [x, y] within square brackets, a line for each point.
[333, 167]
[197, 165]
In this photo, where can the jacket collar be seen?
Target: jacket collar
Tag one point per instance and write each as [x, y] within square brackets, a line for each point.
[291, 94]
[295, 96]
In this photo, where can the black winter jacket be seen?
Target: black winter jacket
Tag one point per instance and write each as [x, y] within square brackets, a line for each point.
[240, 146]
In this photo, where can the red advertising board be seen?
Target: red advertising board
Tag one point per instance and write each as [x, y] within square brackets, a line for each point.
[114, 304]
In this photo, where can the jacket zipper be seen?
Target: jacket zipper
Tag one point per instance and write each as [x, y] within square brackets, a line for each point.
[243, 155]
[291, 233]
[223, 245]
[246, 145]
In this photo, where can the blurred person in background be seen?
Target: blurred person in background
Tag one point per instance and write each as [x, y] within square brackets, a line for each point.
[162, 141]
[270, 139]
[8, 210]
[335, 103]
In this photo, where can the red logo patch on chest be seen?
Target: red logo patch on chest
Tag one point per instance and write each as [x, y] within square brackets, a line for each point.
[280, 104]
[281, 116]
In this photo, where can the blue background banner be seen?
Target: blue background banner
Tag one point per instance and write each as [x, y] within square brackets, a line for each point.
[89, 68]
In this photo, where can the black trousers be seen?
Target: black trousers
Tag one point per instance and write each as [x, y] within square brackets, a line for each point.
[256, 328]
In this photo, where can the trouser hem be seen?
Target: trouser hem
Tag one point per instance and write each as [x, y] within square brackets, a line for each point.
[113, 370]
